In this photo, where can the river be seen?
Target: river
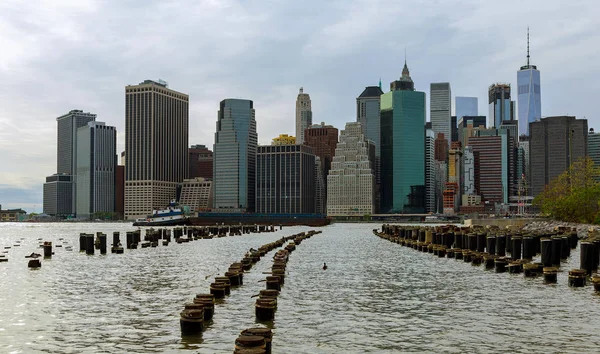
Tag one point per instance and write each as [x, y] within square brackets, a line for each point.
[375, 297]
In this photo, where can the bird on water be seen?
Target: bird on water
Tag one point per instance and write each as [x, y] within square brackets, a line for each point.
[324, 266]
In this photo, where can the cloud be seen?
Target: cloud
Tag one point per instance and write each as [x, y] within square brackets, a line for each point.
[63, 55]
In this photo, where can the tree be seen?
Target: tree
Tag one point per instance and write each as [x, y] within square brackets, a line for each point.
[574, 195]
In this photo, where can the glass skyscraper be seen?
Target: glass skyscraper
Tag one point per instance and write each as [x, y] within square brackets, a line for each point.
[465, 106]
[403, 147]
[235, 156]
[529, 97]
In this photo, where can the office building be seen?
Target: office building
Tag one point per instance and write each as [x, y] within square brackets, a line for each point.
[196, 194]
[440, 107]
[530, 94]
[303, 115]
[284, 139]
[323, 139]
[501, 108]
[96, 169]
[120, 192]
[441, 147]
[453, 129]
[465, 106]
[368, 108]
[492, 163]
[235, 157]
[58, 195]
[320, 189]
[403, 147]
[430, 205]
[285, 179]
[554, 144]
[351, 180]
[468, 181]
[594, 146]
[467, 125]
[156, 143]
[200, 162]
[441, 178]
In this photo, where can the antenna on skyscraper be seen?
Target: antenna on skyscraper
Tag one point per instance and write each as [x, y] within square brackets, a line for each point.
[527, 45]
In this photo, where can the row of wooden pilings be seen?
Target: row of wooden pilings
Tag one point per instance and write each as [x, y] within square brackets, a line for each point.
[491, 247]
[258, 340]
[197, 314]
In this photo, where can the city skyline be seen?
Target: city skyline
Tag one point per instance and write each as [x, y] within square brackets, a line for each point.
[65, 71]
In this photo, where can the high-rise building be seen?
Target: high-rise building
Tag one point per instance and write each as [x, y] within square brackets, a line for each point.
[368, 110]
[440, 107]
[320, 190]
[594, 146]
[441, 178]
[200, 162]
[120, 192]
[554, 144]
[66, 159]
[430, 205]
[196, 193]
[323, 139]
[492, 163]
[465, 106]
[441, 147]
[453, 129]
[156, 142]
[58, 195]
[285, 179]
[235, 157]
[530, 92]
[402, 147]
[522, 168]
[96, 169]
[351, 180]
[501, 108]
[465, 130]
[67, 139]
[284, 139]
[303, 115]
[468, 172]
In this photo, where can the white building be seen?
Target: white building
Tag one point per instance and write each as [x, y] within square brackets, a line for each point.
[303, 115]
[430, 205]
[196, 193]
[351, 180]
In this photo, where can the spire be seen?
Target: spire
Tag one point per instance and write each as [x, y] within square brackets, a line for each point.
[527, 45]
[380, 83]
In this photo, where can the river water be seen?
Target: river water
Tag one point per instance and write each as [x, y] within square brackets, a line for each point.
[375, 297]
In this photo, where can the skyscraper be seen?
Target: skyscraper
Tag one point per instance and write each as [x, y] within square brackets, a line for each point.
[491, 162]
[96, 169]
[323, 139]
[235, 156]
[465, 130]
[402, 147]
[351, 181]
[554, 144]
[430, 205]
[465, 106]
[594, 146]
[156, 142]
[368, 115]
[66, 159]
[440, 107]
[303, 115]
[529, 97]
[285, 179]
[58, 195]
[501, 108]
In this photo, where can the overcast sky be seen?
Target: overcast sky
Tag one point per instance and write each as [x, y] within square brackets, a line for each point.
[59, 55]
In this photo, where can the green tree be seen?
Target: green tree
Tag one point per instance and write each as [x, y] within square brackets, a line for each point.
[574, 195]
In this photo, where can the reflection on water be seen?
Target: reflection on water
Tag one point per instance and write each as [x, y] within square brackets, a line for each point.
[375, 297]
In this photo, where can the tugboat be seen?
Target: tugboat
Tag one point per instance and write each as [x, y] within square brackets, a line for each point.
[171, 216]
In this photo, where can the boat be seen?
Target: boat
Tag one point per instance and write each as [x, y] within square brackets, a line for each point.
[171, 216]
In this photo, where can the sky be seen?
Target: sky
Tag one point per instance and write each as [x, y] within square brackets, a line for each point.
[59, 55]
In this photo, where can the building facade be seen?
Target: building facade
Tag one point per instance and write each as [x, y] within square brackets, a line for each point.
[530, 94]
[594, 146]
[466, 125]
[441, 147]
[285, 179]
[200, 162]
[323, 139]
[156, 142]
[368, 109]
[402, 147]
[351, 180]
[234, 155]
[500, 106]
[430, 205]
[196, 193]
[440, 108]
[96, 169]
[491, 161]
[465, 106]
[58, 195]
[303, 115]
[554, 144]
[468, 181]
